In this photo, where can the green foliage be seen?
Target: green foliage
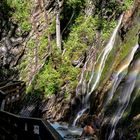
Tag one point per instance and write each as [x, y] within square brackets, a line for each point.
[23, 67]
[22, 12]
[69, 74]
[75, 3]
[112, 8]
[43, 43]
[67, 95]
[127, 4]
[31, 44]
[52, 27]
[49, 80]
[107, 28]
[81, 36]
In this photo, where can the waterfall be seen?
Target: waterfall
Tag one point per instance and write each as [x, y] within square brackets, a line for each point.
[124, 96]
[79, 114]
[81, 87]
[95, 78]
[102, 59]
[119, 75]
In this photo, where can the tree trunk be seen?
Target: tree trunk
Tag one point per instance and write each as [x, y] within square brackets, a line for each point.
[58, 31]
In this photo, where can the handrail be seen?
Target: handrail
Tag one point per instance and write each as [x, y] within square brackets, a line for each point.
[33, 126]
[17, 127]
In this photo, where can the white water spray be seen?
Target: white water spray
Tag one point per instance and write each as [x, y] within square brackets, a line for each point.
[101, 62]
[102, 59]
[120, 75]
[124, 98]
[79, 114]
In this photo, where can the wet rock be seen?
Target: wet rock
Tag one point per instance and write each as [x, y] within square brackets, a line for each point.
[136, 118]
[130, 16]
[57, 108]
[80, 62]
[11, 40]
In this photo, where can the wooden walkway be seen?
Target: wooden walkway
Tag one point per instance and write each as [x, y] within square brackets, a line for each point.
[14, 127]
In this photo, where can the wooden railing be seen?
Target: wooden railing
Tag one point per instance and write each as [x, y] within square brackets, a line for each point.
[14, 127]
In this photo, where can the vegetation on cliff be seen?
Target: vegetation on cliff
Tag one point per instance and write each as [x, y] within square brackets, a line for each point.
[53, 59]
[83, 25]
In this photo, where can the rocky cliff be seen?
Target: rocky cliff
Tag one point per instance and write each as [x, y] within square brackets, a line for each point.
[29, 52]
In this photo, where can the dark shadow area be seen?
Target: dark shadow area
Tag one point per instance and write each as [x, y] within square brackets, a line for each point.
[11, 38]
[5, 26]
[14, 99]
[20, 128]
[69, 14]
[5, 14]
[32, 104]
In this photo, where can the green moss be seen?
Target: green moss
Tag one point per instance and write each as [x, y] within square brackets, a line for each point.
[130, 42]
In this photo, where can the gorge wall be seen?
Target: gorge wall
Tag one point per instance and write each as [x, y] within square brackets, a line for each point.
[61, 73]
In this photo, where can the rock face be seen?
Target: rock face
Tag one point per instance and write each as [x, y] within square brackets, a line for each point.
[57, 108]
[11, 42]
[11, 50]
[131, 17]
[130, 22]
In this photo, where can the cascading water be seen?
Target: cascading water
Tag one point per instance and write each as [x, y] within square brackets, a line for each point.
[95, 78]
[124, 96]
[102, 59]
[81, 88]
[119, 75]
